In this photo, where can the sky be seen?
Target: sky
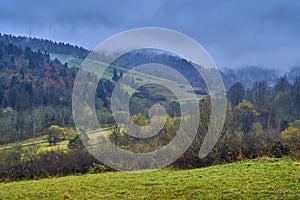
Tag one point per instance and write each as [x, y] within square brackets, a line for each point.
[236, 33]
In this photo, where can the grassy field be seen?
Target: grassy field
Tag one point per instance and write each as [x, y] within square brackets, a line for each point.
[76, 62]
[33, 139]
[71, 60]
[41, 143]
[254, 179]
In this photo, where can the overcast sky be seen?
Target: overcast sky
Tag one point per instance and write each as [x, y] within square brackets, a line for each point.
[235, 33]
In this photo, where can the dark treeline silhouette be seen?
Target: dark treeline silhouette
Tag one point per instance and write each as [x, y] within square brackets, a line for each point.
[44, 45]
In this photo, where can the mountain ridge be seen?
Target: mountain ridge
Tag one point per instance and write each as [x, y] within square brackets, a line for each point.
[246, 75]
[44, 45]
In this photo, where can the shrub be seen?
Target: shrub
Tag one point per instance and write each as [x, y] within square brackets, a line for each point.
[291, 136]
[279, 149]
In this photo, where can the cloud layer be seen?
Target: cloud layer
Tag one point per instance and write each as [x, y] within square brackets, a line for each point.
[235, 33]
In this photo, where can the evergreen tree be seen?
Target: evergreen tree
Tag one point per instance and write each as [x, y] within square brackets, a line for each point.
[236, 94]
[115, 76]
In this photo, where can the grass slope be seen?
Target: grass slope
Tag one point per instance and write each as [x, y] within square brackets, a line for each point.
[254, 179]
[139, 76]
[71, 60]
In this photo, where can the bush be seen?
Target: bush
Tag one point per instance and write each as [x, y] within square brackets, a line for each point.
[291, 136]
[279, 149]
[51, 163]
[98, 168]
[55, 134]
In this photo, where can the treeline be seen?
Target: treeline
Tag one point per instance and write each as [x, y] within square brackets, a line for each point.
[44, 45]
[19, 163]
[260, 121]
[277, 105]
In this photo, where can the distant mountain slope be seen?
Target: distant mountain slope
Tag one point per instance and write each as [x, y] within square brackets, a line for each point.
[145, 56]
[44, 45]
[293, 73]
[249, 75]
[74, 55]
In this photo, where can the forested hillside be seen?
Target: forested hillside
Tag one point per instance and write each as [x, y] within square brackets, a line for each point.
[35, 92]
[44, 45]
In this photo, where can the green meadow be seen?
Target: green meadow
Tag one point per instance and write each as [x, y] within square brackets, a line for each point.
[263, 178]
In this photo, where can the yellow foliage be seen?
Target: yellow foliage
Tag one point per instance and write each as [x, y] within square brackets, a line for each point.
[246, 105]
[139, 119]
[290, 132]
[279, 95]
[56, 128]
[88, 111]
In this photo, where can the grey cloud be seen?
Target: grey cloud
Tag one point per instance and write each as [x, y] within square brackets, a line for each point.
[235, 33]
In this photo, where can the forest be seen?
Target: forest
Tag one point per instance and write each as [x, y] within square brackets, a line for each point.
[35, 92]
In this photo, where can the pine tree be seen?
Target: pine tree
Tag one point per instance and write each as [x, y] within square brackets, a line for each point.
[236, 94]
